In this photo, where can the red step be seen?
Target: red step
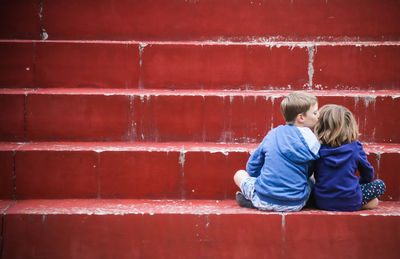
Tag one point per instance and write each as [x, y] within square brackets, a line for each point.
[61, 170]
[295, 66]
[349, 67]
[4, 205]
[193, 229]
[7, 154]
[215, 66]
[17, 64]
[163, 116]
[235, 20]
[20, 19]
[12, 116]
[384, 158]
[200, 65]
[86, 64]
[127, 170]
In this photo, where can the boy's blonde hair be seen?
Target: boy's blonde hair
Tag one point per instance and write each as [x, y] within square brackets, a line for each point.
[296, 103]
[336, 126]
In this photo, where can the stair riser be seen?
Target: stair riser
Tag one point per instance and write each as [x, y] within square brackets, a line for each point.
[20, 19]
[39, 64]
[225, 67]
[339, 235]
[291, 66]
[194, 236]
[12, 121]
[161, 118]
[142, 174]
[217, 20]
[386, 168]
[6, 175]
[17, 65]
[171, 175]
[370, 67]
[349, 67]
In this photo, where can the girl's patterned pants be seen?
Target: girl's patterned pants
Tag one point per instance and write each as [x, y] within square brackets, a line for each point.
[372, 190]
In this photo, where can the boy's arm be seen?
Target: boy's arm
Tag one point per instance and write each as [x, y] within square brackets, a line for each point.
[255, 162]
[364, 167]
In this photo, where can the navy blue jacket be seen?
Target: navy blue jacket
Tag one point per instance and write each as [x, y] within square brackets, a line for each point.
[282, 164]
[337, 187]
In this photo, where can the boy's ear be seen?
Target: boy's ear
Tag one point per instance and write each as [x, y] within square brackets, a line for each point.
[300, 118]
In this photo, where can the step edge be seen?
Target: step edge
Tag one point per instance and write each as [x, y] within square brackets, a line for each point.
[147, 93]
[160, 207]
[223, 42]
[162, 146]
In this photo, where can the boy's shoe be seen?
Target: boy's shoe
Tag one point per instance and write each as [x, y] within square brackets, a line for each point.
[243, 202]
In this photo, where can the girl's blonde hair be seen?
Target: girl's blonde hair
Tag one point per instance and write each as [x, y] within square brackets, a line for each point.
[336, 126]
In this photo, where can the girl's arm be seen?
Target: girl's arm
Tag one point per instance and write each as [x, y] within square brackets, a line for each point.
[364, 167]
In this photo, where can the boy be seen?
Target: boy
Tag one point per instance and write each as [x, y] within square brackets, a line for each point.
[279, 170]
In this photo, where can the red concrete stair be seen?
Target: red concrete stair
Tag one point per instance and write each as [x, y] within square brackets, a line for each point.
[137, 170]
[124, 121]
[199, 65]
[192, 229]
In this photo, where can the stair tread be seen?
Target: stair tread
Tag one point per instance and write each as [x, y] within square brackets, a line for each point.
[126, 146]
[144, 206]
[195, 92]
[261, 42]
[160, 146]
[4, 204]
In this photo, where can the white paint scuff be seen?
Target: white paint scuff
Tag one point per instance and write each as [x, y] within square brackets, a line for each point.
[182, 158]
[44, 34]
[310, 66]
[141, 51]
[369, 99]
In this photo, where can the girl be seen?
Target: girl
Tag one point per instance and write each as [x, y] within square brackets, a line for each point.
[341, 155]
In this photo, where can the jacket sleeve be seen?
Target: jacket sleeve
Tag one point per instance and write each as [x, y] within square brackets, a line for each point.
[364, 167]
[255, 162]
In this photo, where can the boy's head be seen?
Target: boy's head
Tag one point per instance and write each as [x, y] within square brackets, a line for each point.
[300, 109]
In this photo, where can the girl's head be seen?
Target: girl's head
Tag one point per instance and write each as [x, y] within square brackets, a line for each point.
[336, 126]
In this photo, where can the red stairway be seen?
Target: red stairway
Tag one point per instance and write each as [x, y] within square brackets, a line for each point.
[122, 123]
